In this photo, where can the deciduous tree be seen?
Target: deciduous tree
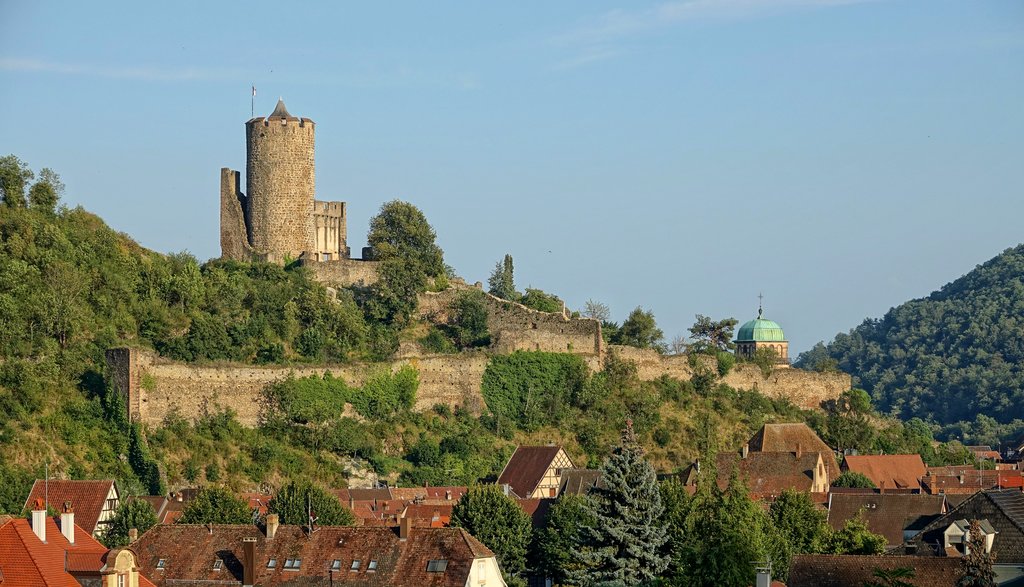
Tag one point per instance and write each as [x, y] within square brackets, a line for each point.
[497, 521]
[134, 514]
[711, 336]
[297, 500]
[216, 505]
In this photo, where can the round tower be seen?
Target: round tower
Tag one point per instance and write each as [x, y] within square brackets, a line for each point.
[280, 183]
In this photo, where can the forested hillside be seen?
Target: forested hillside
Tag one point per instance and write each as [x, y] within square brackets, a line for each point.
[954, 356]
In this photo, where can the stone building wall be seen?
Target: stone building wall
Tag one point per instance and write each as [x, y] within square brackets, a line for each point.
[515, 327]
[280, 182]
[329, 225]
[234, 239]
[342, 272]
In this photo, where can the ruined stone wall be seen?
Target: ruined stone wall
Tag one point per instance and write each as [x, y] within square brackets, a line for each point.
[280, 183]
[806, 389]
[329, 225]
[515, 327]
[342, 272]
[156, 388]
[234, 239]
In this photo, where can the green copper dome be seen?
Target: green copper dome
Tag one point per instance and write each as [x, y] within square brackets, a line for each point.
[760, 330]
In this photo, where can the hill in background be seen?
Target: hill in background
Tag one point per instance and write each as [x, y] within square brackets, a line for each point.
[954, 356]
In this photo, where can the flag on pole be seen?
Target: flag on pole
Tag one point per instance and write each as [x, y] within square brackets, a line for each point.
[254, 91]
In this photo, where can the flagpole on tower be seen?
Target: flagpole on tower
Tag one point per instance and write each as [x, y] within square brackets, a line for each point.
[252, 103]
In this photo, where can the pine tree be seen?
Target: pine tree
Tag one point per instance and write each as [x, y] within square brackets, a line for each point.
[626, 543]
[976, 565]
[502, 282]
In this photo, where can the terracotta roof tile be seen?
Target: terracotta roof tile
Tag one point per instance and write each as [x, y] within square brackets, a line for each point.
[818, 570]
[189, 552]
[888, 514]
[789, 437]
[525, 469]
[768, 474]
[87, 497]
[968, 480]
[888, 471]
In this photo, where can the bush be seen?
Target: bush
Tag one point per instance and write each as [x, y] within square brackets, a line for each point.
[533, 389]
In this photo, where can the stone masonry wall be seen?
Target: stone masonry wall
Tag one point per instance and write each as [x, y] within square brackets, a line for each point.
[234, 240]
[157, 387]
[280, 182]
[806, 389]
[515, 327]
[342, 272]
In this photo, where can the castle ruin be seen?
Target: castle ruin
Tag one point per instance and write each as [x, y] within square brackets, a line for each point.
[279, 218]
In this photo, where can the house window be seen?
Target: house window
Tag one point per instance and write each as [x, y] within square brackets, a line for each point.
[371, 566]
[292, 564]
[120, 581]
[161, 564]
[218, 565]
[272, 563]
[437, 566]
[355, 565]
[336, 565]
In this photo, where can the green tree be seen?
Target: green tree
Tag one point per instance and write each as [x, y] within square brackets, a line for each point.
[296, 500]
[976, 565]
[853, 479]
[216, 505]
[640, 330]
[854, 538]
[14, 176]
[711, 336]
[403, 243]
[541, 301]
[496, 520]
[131, 514]
[802, 523]
[677, 502]
[46, 192]
[555, 543]
[502, 283]
[469, 320]
[626, 543]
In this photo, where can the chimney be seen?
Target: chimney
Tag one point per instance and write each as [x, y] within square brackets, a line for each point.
[799, 450]
[133, 535]
[351, 503]
[272, 524]
[448, 495]
[404, 527]
[881, 486]
[745, 451]
[39, 520]
[248, 562]
[67, 522]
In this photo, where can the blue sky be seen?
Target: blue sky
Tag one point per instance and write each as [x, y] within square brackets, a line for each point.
[840, 156]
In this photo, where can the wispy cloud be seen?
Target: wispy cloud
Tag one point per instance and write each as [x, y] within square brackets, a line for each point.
[593, 38]
[144, 73]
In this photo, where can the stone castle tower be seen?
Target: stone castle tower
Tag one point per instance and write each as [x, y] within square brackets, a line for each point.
[279, 218]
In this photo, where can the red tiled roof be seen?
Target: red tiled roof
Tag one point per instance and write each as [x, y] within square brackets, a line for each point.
[768, 474]
[888, 514]
[432, 495]
[189, 552]
[953, 480]
[526, 468]
[87, 497]
[888, 471]
[27, 561]
[819, 570]
[789, 438]
[433, 516]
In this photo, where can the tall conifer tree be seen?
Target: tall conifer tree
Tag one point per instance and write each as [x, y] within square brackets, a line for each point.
[976, 566]
[626, 543]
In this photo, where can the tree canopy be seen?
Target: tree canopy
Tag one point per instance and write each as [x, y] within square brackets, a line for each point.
[497, 521]
[215, 505]
[297, 500]
[131, 514]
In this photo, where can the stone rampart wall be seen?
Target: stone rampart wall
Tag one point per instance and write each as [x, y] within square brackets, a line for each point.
[806, 389]
[155, 387]
[514, 327]
[343, 272]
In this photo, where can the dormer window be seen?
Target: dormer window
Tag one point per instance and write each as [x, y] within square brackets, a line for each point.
[161, 564]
